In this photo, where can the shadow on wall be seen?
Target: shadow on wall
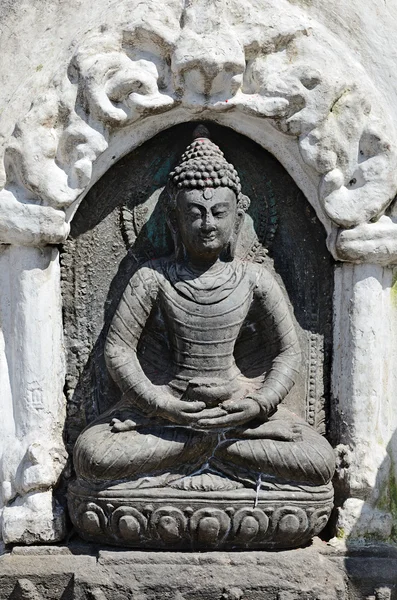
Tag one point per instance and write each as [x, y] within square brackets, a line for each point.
[368, 525]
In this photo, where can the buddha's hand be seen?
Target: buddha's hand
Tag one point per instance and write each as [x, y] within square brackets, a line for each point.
[179, 412]
[237, 412]
[117, 425]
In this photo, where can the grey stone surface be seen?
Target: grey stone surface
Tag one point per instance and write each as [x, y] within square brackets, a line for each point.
[113, 575]
[84, 572]
[198, 453]
[312, 93]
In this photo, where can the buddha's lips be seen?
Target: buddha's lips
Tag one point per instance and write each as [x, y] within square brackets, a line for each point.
[208, 237]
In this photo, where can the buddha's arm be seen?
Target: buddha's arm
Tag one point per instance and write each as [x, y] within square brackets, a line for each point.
[285, 366]
[123, 337]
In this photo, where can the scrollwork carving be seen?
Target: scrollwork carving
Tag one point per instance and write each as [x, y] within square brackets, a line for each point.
[318, 520]
[209, 526]
[92, 518]
[291, 73]
[168, 524]
[289, 522]
[128, 523]
[272, 524]
[116, 87]
[250, 524]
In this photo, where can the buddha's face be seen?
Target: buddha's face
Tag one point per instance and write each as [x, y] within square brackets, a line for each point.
[206, 220]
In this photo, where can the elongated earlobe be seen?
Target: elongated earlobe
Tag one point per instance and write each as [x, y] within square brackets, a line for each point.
[231, 247]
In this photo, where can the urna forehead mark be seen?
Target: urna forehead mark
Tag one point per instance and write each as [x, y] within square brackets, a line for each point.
[223, 195]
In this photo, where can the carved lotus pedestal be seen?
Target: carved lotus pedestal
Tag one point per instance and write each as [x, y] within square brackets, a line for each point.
[166, 518]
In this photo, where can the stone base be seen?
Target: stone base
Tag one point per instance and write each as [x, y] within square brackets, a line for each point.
[33, 519]
[174, 519]
[83, 572]
[74, 573]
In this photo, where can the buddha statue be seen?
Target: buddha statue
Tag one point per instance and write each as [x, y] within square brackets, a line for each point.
[200, 452]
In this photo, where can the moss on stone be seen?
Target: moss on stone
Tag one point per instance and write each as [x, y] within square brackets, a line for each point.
[340, 533]
[393, 290]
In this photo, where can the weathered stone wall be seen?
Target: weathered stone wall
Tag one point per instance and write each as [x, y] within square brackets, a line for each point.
[84, 83]
[36, 38]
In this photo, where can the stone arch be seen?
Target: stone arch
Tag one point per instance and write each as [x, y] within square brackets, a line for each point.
[289, 85]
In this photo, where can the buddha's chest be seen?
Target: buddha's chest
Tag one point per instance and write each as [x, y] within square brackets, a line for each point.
[189, 321]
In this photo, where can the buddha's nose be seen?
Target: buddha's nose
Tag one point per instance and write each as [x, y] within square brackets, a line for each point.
[208, 223]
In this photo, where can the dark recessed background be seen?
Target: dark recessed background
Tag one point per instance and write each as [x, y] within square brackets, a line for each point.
[110, 233]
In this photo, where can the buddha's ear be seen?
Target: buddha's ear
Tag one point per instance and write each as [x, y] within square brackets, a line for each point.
[240, 216]
[243, 203]
[231, 247]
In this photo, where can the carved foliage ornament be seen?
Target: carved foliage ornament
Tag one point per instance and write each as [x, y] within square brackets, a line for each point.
[264, 60]
[197, 524]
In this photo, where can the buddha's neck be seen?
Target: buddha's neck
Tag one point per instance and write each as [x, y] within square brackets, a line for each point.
[203, 266]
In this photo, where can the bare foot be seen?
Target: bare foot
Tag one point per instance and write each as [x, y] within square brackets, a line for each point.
[282, 431]
[118, 426]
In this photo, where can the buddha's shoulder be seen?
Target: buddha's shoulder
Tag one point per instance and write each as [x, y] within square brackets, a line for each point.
[154, 269]
[145, 279]
[256, 272]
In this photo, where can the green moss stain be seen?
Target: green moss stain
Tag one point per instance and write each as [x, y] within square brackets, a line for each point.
[388, 502]
[155, 228]
[340, 533]
[393, 502]
[393, 290]
[39, 67]
[384, 498]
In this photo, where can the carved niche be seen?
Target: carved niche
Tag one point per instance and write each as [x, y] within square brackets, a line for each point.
[264, 69]
[121, 225]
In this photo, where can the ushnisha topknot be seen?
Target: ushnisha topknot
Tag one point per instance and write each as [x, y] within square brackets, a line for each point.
[203, 165]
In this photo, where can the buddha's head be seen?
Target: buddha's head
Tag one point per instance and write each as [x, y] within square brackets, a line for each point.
[205, 207]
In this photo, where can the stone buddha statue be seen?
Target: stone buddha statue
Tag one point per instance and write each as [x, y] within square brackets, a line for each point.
[200, 452]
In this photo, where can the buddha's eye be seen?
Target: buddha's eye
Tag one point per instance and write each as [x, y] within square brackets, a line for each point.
[194, 213]
[220, 214]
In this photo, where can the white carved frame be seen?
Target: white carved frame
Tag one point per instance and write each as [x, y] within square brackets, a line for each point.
[290, 86]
